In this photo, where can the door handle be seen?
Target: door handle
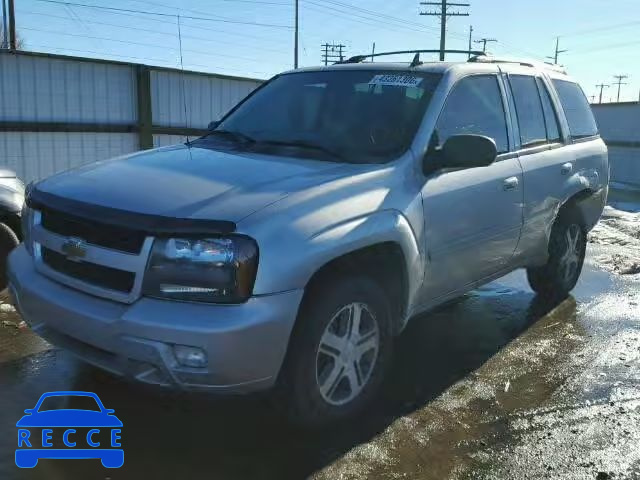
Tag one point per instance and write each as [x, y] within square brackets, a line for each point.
[510, 183]
[566, 168]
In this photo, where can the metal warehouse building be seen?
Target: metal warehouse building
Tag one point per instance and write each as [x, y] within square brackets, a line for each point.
[59, 112]
[619, 125]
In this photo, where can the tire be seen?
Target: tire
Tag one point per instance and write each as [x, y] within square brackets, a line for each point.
[8, 241]
[316, 381]
[567, 246]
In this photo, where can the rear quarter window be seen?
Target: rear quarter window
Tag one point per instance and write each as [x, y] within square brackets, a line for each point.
[576, 109]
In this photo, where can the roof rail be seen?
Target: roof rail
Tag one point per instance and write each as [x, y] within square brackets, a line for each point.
[361, 58]
[484, 58]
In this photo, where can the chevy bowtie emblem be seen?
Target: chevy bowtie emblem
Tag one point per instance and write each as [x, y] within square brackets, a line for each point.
[74, 248]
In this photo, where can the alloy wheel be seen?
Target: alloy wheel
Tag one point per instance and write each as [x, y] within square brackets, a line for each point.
[347, 353]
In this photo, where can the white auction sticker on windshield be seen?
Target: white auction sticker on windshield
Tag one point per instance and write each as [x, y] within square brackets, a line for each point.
[396, 80]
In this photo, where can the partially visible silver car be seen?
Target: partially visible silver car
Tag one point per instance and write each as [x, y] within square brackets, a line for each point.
[286, 248]
[11, 203]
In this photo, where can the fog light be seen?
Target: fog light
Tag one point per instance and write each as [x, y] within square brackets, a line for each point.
[190, 356]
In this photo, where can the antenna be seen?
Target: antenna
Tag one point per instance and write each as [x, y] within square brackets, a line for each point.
[184, 90]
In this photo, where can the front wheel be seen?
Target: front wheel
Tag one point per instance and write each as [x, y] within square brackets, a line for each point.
[339, 351]
[8, 241]
[567, 247]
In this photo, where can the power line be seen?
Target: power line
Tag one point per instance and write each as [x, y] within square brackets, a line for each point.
[130, 42]
[444, 14]
[484, 42]
[366, 20]
[157, 32]
[620, 82]
[169, 21]
[601, 29]
[146, 12]
[606, 47]
[151, 59]
[380, 15]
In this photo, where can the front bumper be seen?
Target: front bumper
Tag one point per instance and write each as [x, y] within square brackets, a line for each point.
[245, 344]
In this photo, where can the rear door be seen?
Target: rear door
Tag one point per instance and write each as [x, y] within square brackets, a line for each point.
[473, 217]
[541, 156]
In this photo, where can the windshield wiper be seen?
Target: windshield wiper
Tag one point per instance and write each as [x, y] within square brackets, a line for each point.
[307, 145]
[234, 135]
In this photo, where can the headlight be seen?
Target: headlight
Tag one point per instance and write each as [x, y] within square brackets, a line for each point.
[215, 269]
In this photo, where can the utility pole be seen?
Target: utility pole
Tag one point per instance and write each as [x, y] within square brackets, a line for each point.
[4, 43]
[601, 86]
[470, 39]
[444, 13]
[373, 51]
[332, 52]
[620, 82]
[558, 51]
[12, 27]
[484, 42]
[593, 98]
[295, 44]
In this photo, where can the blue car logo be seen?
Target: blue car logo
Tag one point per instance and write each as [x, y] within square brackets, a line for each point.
[84, 432]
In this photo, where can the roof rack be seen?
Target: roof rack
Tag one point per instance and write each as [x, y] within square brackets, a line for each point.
[484, 58]
[416, 59]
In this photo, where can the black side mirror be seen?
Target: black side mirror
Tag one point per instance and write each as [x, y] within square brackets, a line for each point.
[462, 151]
[213, 125]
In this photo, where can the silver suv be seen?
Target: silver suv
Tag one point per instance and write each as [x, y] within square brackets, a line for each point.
[289, 246]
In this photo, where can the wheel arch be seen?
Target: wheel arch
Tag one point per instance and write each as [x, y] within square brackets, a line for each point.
[587, 204]
[385, 262]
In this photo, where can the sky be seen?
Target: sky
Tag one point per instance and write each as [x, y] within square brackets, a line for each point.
[254, 38]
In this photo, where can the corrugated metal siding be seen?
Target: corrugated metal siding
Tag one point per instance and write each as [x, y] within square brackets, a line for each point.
[38, 155]
[207, 98]
[165, 140]
[621, 123]
[55, 90]
[625, 165]
[618, 122]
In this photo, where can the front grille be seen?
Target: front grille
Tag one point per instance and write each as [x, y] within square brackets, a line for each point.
[98, 275]
[96, 233]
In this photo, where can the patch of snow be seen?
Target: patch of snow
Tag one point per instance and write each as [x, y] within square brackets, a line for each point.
[620, 229]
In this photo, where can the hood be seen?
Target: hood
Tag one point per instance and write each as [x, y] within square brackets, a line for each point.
[194, 182]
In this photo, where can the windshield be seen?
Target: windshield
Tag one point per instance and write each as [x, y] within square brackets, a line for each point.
[354, 116]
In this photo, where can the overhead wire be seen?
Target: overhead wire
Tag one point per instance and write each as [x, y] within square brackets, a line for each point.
[157, 32]
[131, 42]
[146, 12]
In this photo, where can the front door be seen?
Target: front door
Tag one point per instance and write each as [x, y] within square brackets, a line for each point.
[473, 217]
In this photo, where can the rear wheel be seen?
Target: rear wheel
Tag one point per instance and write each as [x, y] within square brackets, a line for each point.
[567, 246]
[8, 241]
[339, 351]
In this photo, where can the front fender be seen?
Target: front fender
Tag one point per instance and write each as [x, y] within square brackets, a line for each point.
[282, 269]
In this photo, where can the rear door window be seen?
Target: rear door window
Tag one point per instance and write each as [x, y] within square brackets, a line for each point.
[528, 110]
[576, 109]
[550, 117]
[474, 106]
